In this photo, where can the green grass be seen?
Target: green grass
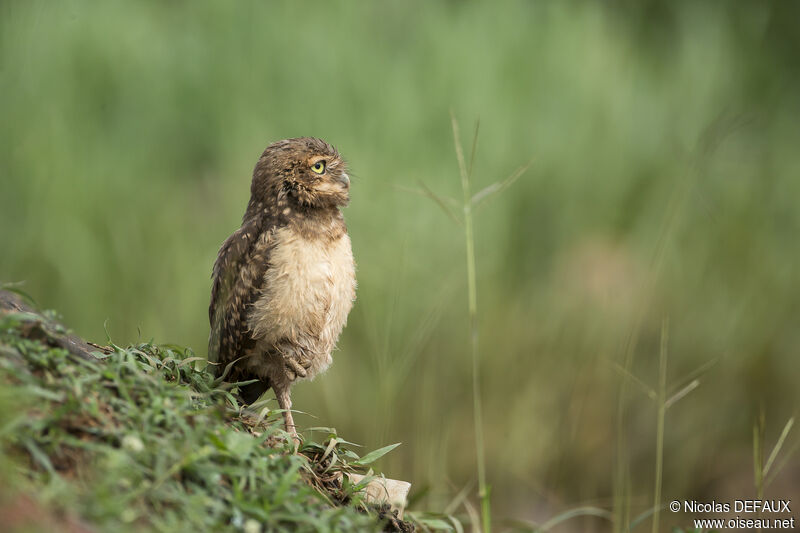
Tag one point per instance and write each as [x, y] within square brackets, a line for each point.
[139, 439]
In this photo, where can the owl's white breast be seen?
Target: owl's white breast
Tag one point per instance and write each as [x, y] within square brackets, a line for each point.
[308, 291]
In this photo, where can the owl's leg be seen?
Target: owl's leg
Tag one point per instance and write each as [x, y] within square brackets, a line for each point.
[285, 403]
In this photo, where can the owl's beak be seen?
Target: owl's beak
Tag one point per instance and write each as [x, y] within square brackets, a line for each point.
[344, 179]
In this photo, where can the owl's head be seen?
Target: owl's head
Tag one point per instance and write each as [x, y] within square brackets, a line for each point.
[305, 172]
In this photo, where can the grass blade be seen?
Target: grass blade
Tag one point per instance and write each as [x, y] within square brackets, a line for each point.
[374, 455]
[498, 186]
[642, 385]
[788, 455]
[462, 166]
[662, 412]
[575, 513]
[441, 203]
[681, 393]
[778, 445]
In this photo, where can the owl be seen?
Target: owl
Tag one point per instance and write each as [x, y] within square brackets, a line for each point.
[284, 282]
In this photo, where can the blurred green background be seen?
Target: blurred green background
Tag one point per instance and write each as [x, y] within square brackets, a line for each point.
[664, 186]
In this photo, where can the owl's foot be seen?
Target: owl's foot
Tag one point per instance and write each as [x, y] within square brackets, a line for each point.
[297, 367]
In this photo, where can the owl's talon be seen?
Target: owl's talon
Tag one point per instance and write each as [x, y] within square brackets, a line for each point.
[294, 369]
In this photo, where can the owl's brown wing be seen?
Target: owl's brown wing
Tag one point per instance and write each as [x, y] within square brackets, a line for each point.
[237, 278]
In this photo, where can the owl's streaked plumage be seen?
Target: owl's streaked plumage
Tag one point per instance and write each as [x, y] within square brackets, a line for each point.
[284, 282]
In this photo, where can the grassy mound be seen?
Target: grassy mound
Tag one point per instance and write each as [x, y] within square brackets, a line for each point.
[120, 439]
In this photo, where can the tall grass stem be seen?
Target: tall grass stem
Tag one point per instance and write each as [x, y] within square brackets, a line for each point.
[469, 237]
[662, 409]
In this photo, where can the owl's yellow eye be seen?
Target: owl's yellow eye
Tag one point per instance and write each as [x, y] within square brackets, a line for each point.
[318, 167]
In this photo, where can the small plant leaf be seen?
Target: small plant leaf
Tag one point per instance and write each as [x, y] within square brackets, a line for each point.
[441, 203]
[462, 166]
[778, 445]
[696, 373]
[681, 393]
[373, 456]
[499, 186]
[331, 445]
[782, 463]
[574, 513]
[436, 524]
[642, 385]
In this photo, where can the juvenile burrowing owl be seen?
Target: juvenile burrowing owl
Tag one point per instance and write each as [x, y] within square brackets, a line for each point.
[284, 282]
